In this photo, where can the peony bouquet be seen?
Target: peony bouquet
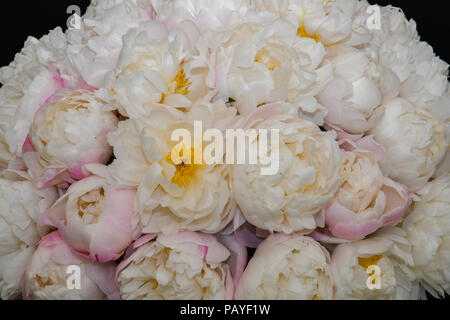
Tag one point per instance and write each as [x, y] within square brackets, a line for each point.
[145, 151]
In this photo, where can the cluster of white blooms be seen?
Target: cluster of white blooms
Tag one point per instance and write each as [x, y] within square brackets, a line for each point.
[357, 207]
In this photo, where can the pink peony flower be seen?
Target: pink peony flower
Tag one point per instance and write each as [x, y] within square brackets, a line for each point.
[366, 200]
[67, 134]
[95, 217]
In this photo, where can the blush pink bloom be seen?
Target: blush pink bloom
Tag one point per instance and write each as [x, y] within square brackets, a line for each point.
[366, 200]
[46, 275]
[184, 266]
[95, 217]
[66, 134]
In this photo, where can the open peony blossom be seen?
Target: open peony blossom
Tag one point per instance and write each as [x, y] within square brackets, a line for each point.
[262, 61]
[428, 227]
[293, 199]
[290, 267]
[47, 274]
[22, 206]
[151, 70]
[414, 140]
[93, 49]
[366, 200]
[67, 134]
[184, 266]
[172, 197]
[96, 218]
[390, 252]
[329, 22]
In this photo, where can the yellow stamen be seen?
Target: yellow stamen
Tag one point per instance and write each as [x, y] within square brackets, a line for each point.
[183, 83]
[179, 85]
[370, 261]
[301, 32]
[185, 172]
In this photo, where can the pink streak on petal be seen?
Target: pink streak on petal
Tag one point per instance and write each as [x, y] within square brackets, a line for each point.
[28, 145]
[143, 240]
[355, 231]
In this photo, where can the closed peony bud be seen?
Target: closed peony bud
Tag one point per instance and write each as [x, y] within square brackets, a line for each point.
[97, 218]
[67, 134]
[366, 200]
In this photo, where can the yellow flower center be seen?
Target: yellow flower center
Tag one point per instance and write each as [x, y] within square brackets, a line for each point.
[179, 85]
[301, 32]
[183, 83]
[370, 261]
[186, 171]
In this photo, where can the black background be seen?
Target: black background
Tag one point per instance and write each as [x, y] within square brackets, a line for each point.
[20, 19]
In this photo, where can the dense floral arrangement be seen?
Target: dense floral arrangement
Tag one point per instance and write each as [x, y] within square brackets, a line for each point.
[359, 207]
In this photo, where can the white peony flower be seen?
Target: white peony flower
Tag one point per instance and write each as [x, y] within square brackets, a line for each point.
[184, 266]
[263, 60]
[423, 76]
[397, 46]
[287, 267]
[48, 274]
[393, 22]
[93, 49]
[22, 206]
[414, 140]
[68, 133]
[327, 21]
[354, 96]
[172, 197]
[27, 83]
[207, 15]
[151, 70]
[390, 253]
[428, 228]
[293, 199]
